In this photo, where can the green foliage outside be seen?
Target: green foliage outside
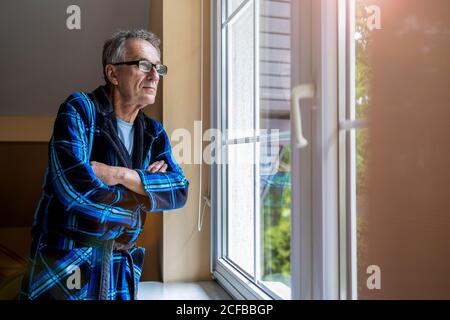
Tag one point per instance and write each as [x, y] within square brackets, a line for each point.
[276, 225]
[363, 76]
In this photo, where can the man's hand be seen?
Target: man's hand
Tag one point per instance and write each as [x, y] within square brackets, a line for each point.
[129, 178]
[108, 174]
[157, 166]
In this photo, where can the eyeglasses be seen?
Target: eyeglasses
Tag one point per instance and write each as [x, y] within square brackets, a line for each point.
[145, 66]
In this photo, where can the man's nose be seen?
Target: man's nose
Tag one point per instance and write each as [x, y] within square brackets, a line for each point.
[153, 74]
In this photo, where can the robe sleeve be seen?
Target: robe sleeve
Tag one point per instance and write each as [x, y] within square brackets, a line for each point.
[73, 178]
[165, 191]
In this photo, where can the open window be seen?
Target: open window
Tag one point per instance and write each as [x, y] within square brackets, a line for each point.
[286, 218]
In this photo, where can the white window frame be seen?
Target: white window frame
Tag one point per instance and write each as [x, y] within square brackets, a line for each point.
[323, 239]
[235, 281]
[325, 187]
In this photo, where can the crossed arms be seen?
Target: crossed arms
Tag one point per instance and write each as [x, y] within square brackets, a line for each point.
[105, 194]
[130, 179]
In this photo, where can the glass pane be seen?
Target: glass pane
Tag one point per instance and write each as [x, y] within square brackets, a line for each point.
[241, 206]
[240, 76]
[275, 65]
[275, 156]
[363, 68]
[275, 212]
[362, 140]
[362, 105]
[232, 5]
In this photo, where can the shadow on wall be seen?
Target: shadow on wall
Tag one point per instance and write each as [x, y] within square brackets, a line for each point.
[23, 165]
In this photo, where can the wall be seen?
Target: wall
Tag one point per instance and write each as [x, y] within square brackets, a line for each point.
[409, 204]
[42, 61]
[186, 251]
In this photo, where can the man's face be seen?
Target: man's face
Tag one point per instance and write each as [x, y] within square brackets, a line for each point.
[137, 87]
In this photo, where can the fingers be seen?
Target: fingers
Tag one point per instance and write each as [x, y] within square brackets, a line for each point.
[98, 167]
[98, 164]
[94, 166]
[150, 167]
[158, 166]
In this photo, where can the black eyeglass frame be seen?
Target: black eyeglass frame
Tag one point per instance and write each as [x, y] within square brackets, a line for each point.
[160, 68]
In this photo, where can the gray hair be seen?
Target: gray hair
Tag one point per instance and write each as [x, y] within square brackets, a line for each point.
[114, 48]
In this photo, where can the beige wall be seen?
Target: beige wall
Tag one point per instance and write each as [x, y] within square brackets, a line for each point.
[186, 251]
[26, 129]
[176, 251]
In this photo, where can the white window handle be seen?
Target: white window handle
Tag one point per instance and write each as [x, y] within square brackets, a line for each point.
[303, 91]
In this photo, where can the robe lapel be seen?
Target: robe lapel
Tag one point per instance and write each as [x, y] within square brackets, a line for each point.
[110, 134]
[108, 126]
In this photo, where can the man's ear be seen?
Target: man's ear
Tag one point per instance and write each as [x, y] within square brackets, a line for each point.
[111, 74]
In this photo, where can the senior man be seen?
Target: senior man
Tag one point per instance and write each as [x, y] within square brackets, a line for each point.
[109, 165]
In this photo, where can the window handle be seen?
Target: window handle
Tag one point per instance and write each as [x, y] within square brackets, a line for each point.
[303, 91]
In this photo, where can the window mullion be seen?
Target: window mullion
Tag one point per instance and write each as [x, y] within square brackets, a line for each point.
[257, 254]
[343, 105]
[351, 154]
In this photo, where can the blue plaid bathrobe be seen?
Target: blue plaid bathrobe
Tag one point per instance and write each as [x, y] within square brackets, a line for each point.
[84, 232]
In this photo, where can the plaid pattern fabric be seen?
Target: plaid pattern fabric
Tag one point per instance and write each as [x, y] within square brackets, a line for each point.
[78, 217]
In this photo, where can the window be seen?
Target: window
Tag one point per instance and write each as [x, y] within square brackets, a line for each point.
[254, 108]
[286, 220]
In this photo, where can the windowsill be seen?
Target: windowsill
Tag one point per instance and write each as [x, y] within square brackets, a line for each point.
[202, 290]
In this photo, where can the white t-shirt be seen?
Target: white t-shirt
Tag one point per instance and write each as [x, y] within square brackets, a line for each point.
[126, 134]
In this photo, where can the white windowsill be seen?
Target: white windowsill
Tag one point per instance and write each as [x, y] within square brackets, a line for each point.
[202, 290]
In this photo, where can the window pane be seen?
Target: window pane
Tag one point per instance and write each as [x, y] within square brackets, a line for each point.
[275, 65]
[240, 75]
[275, 157]
[241, 206]
[232, 5]
[275, 212]
[362, 140]
[272, 162]
[363, 68]
[362, 105]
